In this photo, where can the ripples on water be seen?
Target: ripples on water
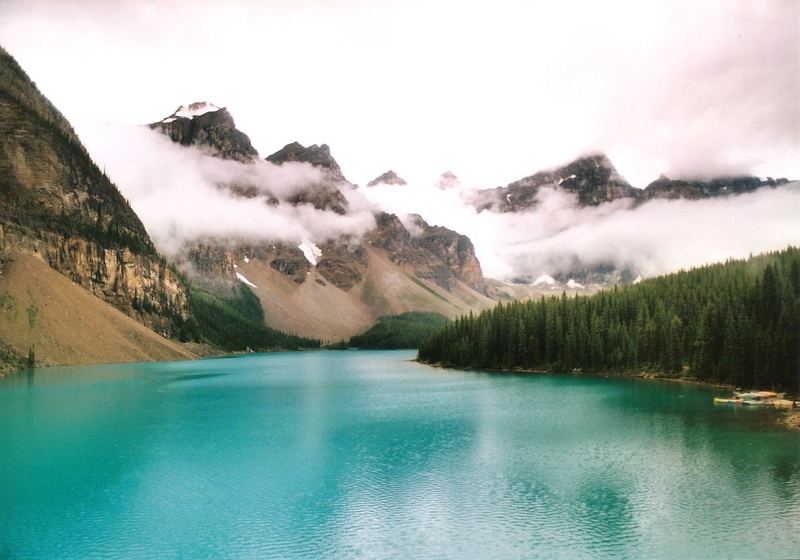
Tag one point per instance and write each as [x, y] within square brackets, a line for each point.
[364, 454]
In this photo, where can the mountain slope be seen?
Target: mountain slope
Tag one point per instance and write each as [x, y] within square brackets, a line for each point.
[57, 204]
[308, 303]
[43, 311]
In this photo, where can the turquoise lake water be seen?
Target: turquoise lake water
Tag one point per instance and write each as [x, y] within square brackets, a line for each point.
[370, 455]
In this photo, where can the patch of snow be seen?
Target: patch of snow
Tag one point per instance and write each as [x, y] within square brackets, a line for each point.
[311, 251]
[572, 284]
[235, 265]
[195, 110]
[168, 120]
[246, 259]
[245, 280]
[508, 197]
[544, 279]
[562, 179]
[638, 279]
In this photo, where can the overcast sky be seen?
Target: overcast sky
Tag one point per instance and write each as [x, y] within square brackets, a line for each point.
[493, 91]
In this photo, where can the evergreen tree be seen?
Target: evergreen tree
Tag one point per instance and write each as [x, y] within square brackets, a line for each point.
[736, 322]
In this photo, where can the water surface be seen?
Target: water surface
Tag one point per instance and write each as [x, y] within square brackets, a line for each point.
[367, 454]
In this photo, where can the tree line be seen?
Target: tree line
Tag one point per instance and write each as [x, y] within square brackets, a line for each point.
[390, 332]
[235, 323]
[737, 322]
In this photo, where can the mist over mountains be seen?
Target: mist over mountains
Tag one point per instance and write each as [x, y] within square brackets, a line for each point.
[185, 194]
[582, 220]
[545, 225]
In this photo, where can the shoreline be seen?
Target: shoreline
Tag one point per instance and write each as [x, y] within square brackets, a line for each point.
[788, 419]
[200, 351]
[542, 371]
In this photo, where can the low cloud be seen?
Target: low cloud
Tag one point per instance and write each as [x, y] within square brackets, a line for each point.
[183, 195]
[559, 236]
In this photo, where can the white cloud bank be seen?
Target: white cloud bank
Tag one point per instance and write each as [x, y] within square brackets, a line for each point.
[490, 90]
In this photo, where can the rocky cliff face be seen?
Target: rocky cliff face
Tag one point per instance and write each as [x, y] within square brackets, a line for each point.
[387, 178]
[208, 127]
[434, 253]
[56, 203]
[456, 252]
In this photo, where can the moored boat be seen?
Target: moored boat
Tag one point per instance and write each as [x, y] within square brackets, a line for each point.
[756, 398]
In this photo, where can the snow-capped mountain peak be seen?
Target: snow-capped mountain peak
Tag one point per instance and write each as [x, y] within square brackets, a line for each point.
[192, 110]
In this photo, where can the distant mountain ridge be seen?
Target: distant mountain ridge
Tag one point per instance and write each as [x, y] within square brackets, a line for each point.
[667, 188]
[594, 180]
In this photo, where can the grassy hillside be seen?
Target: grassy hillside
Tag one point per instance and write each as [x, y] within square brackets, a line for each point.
[737, 323]
[407, 330]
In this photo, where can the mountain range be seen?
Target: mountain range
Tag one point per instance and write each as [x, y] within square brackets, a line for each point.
[594, 180]
[337, 289]
[82, 281]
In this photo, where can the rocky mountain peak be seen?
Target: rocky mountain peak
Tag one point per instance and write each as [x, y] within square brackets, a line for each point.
[193, 110]
[209, 127]
[317, 155]
[447, 180]
[592, 178]
[324, 195]
[387, 178]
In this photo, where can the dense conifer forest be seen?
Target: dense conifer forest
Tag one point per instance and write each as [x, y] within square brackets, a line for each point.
[407, 330]
[236, 323]
[736, 322]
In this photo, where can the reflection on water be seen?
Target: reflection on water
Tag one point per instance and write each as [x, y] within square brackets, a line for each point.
[343, 454]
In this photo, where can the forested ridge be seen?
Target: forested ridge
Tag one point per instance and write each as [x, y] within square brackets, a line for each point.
[737, 322]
